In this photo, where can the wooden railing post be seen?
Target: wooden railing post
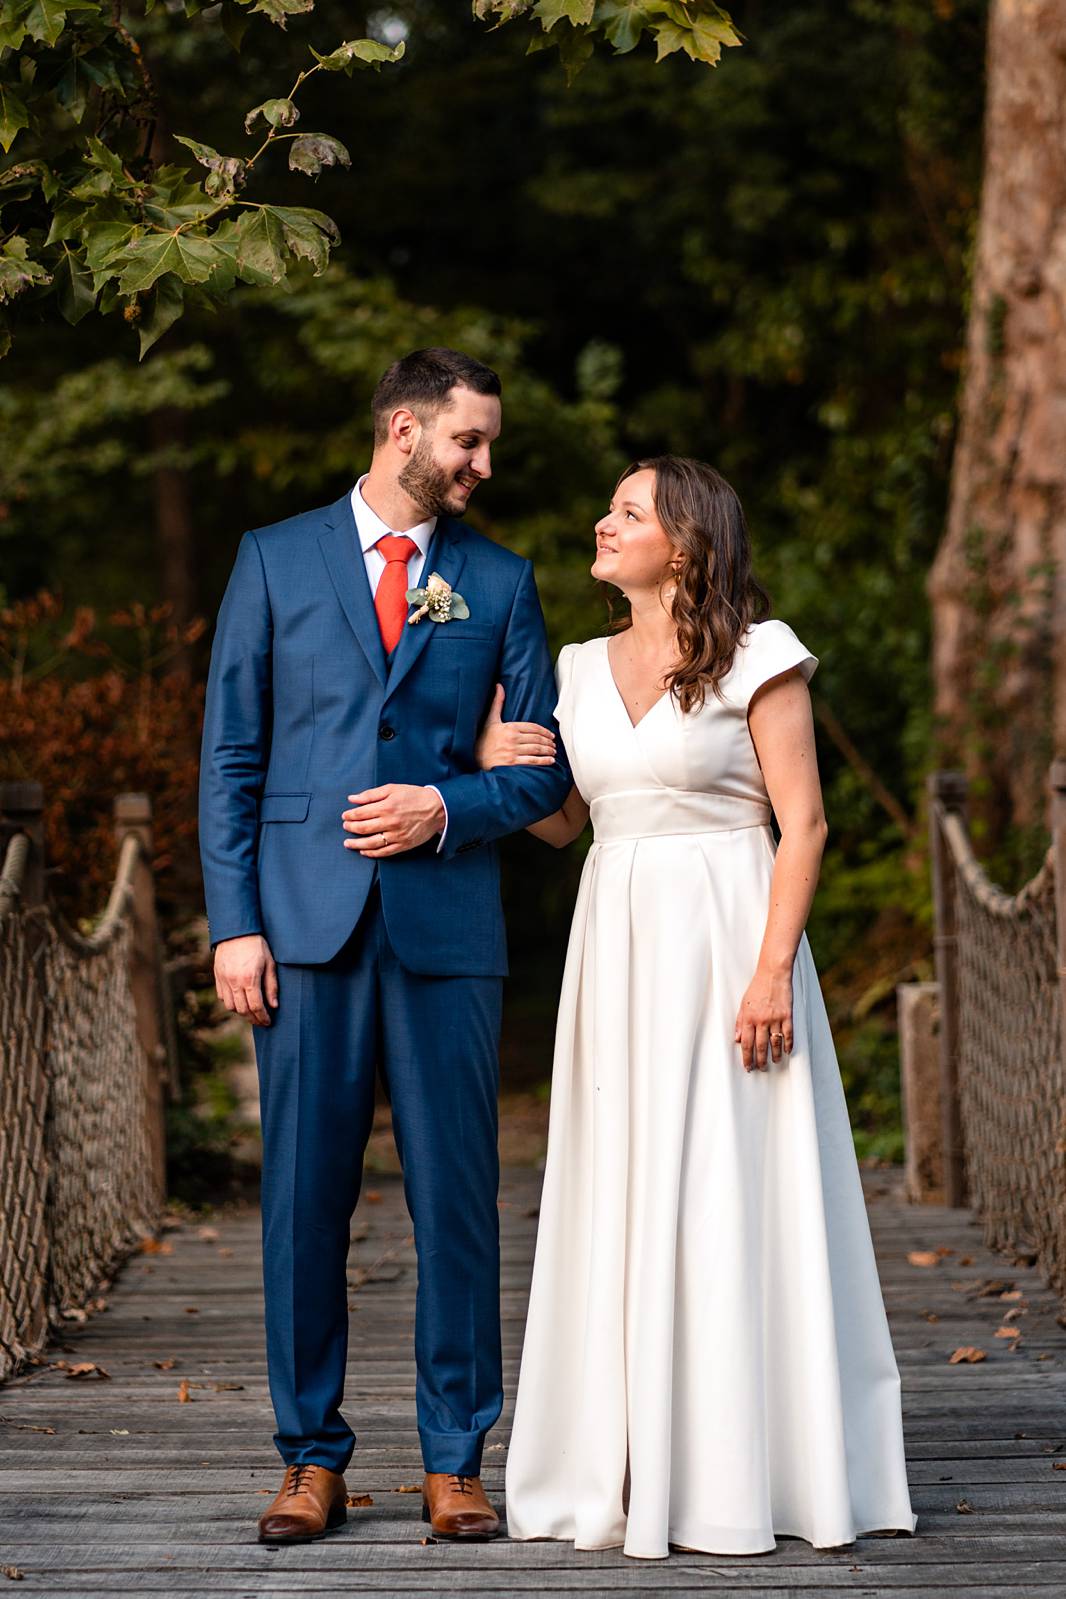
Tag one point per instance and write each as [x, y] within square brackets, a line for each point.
[22, 811]
[133, 815]
[1058, 840]
[947, 792]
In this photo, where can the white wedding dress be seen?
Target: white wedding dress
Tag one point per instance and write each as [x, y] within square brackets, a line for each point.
[707, 1360]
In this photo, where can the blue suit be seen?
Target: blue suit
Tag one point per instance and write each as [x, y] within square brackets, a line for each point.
[392, 966]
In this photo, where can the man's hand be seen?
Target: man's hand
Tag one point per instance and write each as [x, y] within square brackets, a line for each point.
[389, 820]
[244, 974]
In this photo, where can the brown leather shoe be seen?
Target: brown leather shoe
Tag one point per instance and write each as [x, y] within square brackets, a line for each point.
[456, 1507]
[310, 1503]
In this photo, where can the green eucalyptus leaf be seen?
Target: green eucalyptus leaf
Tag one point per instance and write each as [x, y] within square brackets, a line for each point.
[460, 609]
[416, 596]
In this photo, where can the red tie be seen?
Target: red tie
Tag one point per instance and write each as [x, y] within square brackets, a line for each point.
[390, 598]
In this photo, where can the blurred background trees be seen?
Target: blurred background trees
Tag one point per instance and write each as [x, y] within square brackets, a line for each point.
[766, 265]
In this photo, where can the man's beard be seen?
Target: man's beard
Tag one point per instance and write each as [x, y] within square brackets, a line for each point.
[428, 485]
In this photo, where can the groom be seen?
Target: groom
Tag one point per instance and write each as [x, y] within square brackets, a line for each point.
[352, 889]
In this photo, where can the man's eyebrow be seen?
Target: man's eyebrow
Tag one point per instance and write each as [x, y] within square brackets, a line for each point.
[459, 432]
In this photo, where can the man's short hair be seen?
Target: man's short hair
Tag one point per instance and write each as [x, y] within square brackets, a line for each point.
[423, 380]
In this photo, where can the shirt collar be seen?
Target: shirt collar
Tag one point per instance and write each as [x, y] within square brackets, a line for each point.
[370, 527]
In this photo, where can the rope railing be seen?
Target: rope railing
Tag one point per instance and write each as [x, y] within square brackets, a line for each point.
[81, 1135]
[1000, 971]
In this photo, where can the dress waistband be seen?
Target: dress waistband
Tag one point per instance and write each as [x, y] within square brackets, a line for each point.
[660, 812]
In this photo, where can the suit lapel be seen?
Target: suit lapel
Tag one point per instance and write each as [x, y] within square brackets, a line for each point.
[344, 561]
[447, 557]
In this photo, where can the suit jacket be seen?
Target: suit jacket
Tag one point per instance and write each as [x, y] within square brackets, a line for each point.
[304, 708]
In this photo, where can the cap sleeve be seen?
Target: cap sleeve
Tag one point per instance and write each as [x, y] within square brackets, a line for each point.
[771, 648]
[564, 667]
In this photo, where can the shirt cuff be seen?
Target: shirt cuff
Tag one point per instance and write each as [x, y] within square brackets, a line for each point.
[444, 830]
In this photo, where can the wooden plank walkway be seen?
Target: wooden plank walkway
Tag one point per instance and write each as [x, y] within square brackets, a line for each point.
[117, 1486]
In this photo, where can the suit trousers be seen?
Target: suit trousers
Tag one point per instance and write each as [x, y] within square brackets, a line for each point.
[435, 1041]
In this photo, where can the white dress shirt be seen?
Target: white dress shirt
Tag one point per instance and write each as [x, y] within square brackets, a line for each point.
[369, 529]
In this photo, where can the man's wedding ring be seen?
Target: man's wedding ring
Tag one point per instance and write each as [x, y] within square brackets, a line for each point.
[384, 842]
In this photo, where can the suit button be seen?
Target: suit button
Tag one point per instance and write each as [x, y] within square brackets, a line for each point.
[386, 732]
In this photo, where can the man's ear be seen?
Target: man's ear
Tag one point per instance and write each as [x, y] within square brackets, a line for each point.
[404, 429]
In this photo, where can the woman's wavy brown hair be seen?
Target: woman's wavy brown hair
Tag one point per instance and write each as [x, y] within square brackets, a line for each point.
[717, 595]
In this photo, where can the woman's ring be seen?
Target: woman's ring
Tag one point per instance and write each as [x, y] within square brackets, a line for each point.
[777, 1035]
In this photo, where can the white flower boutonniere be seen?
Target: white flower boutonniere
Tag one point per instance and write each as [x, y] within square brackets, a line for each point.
[437, 600]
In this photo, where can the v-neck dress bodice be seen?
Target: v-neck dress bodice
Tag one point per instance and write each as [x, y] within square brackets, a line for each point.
[707, 1360]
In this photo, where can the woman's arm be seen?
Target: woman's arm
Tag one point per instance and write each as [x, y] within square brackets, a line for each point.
[565, 824]
[503, 743]
[782, 730]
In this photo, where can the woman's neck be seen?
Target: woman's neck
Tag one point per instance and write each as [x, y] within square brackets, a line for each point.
[654, 631]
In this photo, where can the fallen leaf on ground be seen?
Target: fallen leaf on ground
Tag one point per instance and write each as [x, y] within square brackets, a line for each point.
[408, 1488]
[119, 1432]
[228, 1387]
[358, 1501]
[26, 1426]
[964, 1507]
[1008, 1332]
[208, 1234]
[183, 1391]
[192, 1310]
[1058, 1465]
[226, 1252]
[924, 1257]
[164, 1365]
[1011, 1293]
[13, 1572]
[942, 1249]
[987, 1289]
[965, 1260]
[155, 1246]
[930, 1315]
[88, 1368]
[967, 1353]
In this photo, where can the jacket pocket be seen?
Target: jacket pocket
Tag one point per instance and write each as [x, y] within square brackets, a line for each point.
[284, 807]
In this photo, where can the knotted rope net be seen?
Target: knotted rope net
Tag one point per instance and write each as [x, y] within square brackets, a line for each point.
[1011, 1075]
[76, 1184]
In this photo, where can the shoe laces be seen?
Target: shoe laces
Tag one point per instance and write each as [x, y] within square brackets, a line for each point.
[298, 1478]
[459, 1485]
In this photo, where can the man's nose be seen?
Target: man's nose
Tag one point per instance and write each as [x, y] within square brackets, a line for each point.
[482, 462]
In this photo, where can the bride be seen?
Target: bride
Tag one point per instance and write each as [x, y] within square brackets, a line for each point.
[707, 1361]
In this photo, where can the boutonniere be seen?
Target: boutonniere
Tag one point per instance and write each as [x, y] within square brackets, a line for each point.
[438, 600]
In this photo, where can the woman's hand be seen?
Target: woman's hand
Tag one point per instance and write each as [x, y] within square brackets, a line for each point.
[503, 743]
[764, 1021]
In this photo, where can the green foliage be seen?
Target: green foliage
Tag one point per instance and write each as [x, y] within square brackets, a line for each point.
[90, 219]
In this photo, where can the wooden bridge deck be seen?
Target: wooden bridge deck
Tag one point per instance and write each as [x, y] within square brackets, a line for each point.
[119, 1486]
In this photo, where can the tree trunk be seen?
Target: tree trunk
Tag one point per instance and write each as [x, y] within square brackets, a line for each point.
[998, 585]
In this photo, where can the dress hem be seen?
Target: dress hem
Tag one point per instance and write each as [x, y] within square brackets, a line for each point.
[690, 1541]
